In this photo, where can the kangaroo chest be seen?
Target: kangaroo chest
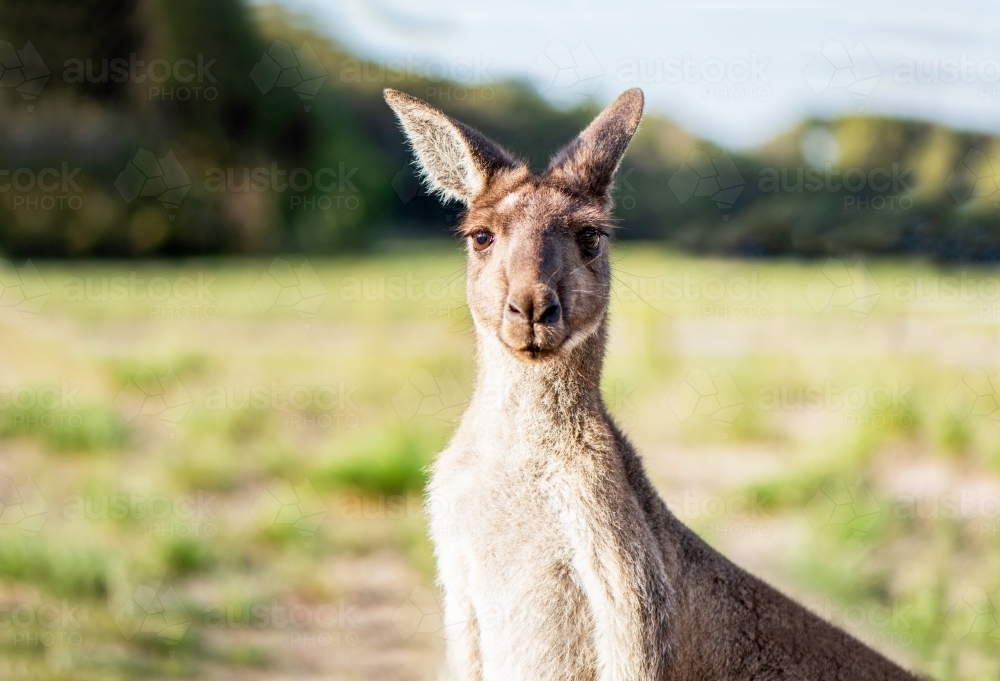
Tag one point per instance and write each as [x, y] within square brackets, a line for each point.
[498, 513]
[503, 546]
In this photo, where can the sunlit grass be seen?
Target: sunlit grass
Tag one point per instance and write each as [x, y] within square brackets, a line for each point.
[286, 439]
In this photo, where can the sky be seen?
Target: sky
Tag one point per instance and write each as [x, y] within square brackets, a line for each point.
[737, 73]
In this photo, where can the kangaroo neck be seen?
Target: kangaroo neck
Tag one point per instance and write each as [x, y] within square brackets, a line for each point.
[537, 396]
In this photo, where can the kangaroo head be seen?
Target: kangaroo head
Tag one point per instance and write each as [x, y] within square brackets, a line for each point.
[539, 277]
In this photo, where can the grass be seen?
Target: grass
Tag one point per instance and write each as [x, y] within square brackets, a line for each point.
[227, 451]
[383, 463]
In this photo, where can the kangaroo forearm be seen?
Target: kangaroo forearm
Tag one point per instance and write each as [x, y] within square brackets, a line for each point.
[461, 629]
[629, 625]
[624, 581]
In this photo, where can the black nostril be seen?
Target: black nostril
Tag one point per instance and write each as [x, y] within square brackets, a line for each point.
[551, 314]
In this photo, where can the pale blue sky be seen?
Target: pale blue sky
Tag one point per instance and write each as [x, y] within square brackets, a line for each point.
[695, 61]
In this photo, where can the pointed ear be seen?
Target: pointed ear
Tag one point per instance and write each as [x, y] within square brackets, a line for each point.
[589, 162]
[455, 160]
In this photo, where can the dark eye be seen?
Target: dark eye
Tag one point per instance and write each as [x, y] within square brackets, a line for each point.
[481, 239]
[589, 240]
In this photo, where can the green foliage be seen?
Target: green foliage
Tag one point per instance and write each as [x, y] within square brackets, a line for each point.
[91, 428]
[357, 527]
[185, 555]
[392, 462]
[65, 571]
[886, 190]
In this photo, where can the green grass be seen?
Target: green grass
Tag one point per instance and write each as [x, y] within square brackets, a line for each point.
[379, 381]
[392, 462]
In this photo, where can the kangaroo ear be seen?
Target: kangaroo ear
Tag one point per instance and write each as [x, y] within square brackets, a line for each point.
[455, 160]
[589, 162]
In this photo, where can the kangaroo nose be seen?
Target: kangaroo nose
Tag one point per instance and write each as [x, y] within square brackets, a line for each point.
[533, 309]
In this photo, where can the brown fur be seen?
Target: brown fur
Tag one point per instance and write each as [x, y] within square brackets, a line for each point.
[557, 558]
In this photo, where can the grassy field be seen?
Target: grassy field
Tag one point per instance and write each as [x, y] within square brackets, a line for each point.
[214, 469]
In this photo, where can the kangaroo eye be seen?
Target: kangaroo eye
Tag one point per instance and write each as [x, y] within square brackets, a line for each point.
[482, 239]
[589, 240]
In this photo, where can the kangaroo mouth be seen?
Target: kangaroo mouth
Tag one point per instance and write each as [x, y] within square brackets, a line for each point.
[534, 351]
[534, 342]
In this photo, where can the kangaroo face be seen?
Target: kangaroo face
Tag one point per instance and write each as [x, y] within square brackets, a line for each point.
[538, 269]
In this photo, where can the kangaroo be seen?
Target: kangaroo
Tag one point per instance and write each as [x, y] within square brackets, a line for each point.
[556, 557]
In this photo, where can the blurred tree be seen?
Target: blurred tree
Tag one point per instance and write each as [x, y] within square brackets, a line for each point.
[179, 127]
